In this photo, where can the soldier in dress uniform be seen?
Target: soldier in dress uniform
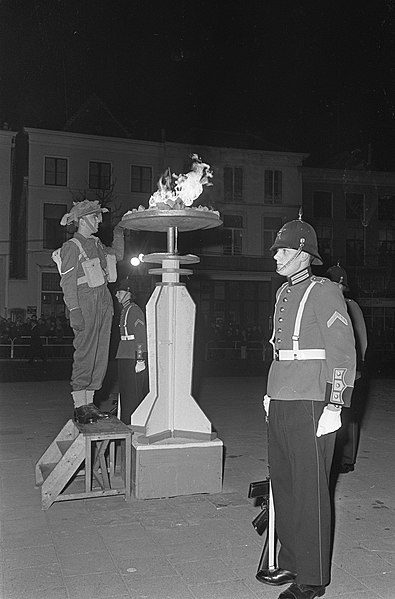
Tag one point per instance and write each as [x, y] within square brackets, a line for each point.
[347, 438]
[86, 266]
[132, 372]
[309, 382]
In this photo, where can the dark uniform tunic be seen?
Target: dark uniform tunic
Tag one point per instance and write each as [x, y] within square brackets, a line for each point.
[314, 364]
[347, 438]
[133, 386]
[92, 344]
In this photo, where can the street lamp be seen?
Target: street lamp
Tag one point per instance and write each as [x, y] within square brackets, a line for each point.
[137, 260]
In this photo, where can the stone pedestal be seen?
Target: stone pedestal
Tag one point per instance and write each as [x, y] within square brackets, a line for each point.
[176, 466]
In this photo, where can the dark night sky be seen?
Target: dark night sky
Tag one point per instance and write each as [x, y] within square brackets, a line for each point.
[309, 75]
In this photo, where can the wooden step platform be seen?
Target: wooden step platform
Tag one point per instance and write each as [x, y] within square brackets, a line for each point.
[99, 454]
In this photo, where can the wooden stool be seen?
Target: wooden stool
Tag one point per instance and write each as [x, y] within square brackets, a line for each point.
[95, 447]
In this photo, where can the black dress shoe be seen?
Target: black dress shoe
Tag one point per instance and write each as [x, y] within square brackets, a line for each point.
[85, 415]
[302, 591]
[344, 468]
[275, 577]
[95, 410]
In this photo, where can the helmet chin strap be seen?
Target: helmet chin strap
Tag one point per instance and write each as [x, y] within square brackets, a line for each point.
[89, 225]
[125, 298]
[300, 250]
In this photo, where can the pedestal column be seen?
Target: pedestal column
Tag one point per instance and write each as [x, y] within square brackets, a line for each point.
[174, 449]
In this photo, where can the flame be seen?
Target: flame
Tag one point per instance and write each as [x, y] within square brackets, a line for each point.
[178, 191]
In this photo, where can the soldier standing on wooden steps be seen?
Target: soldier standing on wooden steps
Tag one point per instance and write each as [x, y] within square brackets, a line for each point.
[86, 266]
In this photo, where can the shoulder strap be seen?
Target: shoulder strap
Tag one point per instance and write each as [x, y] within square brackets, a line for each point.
[299, 314]
[125, 320]
[79, 245]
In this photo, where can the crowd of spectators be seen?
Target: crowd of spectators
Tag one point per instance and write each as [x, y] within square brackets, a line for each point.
[232, 341]
[234, 334]
[54, 327]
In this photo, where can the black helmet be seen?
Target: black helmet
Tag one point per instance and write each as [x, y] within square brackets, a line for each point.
[337, 274]
[298, 235]
[123, 285]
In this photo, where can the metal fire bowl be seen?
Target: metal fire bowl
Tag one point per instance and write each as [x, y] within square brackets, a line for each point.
[189, 219]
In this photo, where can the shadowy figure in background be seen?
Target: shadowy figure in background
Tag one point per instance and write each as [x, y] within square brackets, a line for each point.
[36, 343]
[347, 438]
[132, 348]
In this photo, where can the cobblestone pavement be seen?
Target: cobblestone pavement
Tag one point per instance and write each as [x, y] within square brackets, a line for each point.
[190, 547]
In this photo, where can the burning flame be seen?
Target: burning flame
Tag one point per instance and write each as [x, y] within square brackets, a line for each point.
[178, 191]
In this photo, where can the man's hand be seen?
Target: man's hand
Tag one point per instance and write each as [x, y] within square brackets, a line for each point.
[329, 421]
[140, 366]
[77, 320]
[266, 404]
[118, 229]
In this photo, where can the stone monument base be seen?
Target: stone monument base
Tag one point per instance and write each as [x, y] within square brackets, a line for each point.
[176, 466]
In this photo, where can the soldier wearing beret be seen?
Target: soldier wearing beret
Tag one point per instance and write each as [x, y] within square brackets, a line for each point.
[310, 380]
[86, 266]
[132, 372]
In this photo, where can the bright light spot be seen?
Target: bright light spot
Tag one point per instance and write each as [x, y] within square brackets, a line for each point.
[141, 256]
[135, 261]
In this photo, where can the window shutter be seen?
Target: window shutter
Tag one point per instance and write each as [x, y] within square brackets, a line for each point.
[228, 183]
[238, 190]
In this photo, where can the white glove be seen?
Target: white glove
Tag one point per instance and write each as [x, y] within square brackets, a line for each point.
[140, 366]
[329, 421]
[266, 404]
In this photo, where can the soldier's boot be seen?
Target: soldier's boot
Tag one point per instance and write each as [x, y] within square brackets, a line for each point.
[83, 414]
[89, 401]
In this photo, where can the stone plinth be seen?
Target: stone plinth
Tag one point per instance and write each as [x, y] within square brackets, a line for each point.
[176, 466]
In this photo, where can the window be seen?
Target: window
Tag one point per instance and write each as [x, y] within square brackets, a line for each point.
[99, 175]
[273, 187]
[141, 179]
[271, 226]
[386, 208]
[55, 171]
[354, 246]
[54, 233]
[322, 204]
[232, 235]
[324, 237]
[52, 303]
[355, 206]
[386, 244]
[233, 184]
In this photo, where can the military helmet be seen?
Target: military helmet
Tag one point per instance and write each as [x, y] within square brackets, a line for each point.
[337, 274]
[80, 209]
[123, 285]
[298, 235]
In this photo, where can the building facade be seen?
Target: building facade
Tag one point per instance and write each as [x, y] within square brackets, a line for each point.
[353, 212]
[43, 172]
[255, 190]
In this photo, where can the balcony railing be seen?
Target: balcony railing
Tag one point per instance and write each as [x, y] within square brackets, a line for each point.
[19, 348]
[217, 349]
[245, 263]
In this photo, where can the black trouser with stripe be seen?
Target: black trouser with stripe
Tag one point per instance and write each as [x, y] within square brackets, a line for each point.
[347, 438]
[133, 387]
[300, 464]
